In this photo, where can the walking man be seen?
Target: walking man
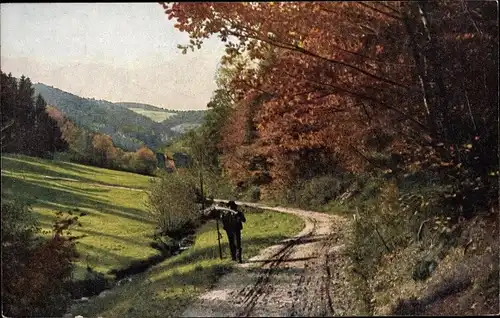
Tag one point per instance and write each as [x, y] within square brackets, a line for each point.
[233, 224]
[232, 221]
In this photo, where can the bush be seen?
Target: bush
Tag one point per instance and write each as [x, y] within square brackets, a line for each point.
[255, 194]
[413, 217]
[314, 193]
[372, 235]
[370, 189]
[172, 201]
[394, 219]
[35, 271]
[217, 186]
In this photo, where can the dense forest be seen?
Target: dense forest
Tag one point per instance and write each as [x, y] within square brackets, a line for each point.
[128, 129]
[98, 149]
[26, 126]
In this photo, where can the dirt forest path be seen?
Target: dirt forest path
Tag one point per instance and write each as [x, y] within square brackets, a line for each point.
[293, 278]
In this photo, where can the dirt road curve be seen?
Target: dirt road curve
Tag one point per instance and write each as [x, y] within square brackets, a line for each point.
[289, 279]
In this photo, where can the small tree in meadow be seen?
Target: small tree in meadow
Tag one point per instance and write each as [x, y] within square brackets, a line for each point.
[172, 203]
[145, 161]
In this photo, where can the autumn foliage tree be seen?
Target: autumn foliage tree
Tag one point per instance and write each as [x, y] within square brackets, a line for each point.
[337, 82]
[103, 149]
[305, 108]
[145, 160]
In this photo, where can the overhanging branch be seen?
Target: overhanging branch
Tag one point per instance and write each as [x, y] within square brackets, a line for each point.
[312, 54]
[365, 97]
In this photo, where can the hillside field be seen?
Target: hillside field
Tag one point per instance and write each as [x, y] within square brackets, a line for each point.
[116, 223]
[156, 116]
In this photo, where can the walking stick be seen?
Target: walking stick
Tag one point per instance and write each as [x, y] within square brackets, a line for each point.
[218, 237]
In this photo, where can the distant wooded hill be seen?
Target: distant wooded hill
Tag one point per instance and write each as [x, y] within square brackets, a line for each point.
[130, 125]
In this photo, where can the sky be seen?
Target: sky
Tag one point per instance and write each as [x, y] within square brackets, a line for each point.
[113, 51]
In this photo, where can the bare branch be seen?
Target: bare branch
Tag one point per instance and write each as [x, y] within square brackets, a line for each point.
[380, 11]
[366, 112]
[466, 8]
[419, 238]
[363, 156]
[388, 7]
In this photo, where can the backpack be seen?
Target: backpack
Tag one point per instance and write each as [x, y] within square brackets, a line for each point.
[231, 221]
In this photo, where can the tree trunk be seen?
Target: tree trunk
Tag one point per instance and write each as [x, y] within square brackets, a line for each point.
[425, 51]
[422, 69]
[431, 51]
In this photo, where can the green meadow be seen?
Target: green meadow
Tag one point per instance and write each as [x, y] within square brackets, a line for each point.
[114, 221]
[24, 166]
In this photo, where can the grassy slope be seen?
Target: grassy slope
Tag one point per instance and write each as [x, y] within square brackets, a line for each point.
[166, 289]
[157, 116]
[36, 167]
[116, 224]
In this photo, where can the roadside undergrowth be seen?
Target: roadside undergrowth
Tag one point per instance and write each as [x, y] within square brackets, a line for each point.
[412, 254]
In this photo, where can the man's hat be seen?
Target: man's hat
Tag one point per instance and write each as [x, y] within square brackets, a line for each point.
[232, 205]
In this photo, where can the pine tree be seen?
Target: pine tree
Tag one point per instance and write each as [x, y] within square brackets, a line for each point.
[47, 135]
[39, 140]
[26, 125]
[23, 115]
[8, 90]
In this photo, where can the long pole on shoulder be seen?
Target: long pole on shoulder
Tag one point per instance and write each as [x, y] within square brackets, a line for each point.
[218, 237]
[203, 207]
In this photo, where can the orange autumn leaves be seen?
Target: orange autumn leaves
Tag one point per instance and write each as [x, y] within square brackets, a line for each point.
[334, 73]
[318, 80]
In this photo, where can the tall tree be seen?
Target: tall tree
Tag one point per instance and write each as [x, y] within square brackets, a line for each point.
[145, 160]
[103, 150]
[316, 97]
[40, 140]
[8, 91]
[24, 113]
